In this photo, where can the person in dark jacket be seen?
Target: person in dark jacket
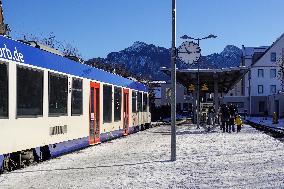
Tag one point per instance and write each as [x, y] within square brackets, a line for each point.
[225, 116]
[211, 114]
[233, 112]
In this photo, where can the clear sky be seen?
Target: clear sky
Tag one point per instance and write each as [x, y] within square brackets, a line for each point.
[98, 27]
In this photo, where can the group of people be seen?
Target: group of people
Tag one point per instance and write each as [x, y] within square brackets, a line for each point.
[229, 116]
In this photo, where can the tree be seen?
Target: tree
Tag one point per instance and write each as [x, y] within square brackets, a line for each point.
[66, 48]
[280, 63]
[108, 66]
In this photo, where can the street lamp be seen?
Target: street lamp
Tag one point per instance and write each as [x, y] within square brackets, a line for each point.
[198, 88]
[173, 81]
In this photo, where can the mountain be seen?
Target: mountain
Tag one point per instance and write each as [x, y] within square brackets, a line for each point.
[145, 60]
[229, 57]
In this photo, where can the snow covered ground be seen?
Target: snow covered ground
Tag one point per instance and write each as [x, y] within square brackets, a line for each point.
[266, 121]
[249, 159]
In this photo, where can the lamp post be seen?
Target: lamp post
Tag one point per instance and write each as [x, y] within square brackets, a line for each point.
[198, 82]
[173, 81]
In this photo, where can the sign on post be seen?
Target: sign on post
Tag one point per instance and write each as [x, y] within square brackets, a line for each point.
[191, 87]
[204, 87]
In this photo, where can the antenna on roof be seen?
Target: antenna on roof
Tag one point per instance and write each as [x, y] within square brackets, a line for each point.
[4, 28]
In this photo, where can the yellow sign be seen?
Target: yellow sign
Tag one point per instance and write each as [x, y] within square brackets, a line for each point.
[191, 87]
[204, 87]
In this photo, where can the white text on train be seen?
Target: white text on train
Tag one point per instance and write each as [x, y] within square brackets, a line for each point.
[11, 55]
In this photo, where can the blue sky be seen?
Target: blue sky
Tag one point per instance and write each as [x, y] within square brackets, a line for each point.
[98, 27]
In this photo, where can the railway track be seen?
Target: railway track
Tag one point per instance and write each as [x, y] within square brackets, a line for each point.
[275, 132]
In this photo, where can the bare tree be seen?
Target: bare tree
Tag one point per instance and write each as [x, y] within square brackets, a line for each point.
[66, 48]
[280, 63]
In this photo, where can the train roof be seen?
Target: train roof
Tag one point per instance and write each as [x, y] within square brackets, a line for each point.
[20, 52]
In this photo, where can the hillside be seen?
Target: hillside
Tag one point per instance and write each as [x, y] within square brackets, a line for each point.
[145, 60]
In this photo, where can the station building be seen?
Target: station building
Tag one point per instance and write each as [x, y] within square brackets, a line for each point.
[213, 84]
[162, 91]
[260, 91]
[255, 87]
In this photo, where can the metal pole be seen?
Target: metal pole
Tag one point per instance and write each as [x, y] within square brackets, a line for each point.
[249, 91]
[198, 103]
[173, 80]
[216, 97]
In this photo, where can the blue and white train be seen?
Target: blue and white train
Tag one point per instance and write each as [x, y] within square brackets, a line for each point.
[51, 105]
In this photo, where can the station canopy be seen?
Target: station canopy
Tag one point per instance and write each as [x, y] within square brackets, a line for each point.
[226, 78]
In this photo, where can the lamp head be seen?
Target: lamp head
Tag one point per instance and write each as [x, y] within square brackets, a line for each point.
[184, 37]
[212, 36]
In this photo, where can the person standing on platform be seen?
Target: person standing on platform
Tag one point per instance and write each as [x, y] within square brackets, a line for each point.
[233, 113]
[239, 123]
[225, 116]
[211, 113]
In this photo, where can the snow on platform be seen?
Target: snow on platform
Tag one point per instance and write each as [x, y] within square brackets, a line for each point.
[249, 159]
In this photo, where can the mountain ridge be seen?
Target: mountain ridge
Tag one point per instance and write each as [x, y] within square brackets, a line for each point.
[142, 60]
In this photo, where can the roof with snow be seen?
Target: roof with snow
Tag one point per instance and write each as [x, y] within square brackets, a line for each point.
[227, 77]
[249, 51]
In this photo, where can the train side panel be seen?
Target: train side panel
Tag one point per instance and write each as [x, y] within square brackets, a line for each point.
[59, 133]
[18, 133]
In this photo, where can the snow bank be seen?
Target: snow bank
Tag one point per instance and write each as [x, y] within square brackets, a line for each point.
[266, 121]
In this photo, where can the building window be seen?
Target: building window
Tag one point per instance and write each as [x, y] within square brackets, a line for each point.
[145, 102]
[273, 57]
[261, 106]
[58, 94]
[178, 107]
[157, 92]
[272, 73]
[117, 103]
[273, 89]
[249, 74]
[29, 92]
[134, 100]
[139, 102]
[3, 90]
[107, 106]
[185, 107]
[260, 89]
[77, 97]
[260, 73]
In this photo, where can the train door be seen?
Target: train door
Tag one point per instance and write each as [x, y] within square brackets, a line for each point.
[125, 111]
[94, 117]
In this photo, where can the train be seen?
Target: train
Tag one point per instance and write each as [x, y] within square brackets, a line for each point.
[52, 105]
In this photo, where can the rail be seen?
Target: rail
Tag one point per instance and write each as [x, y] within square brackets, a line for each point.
[275, 132]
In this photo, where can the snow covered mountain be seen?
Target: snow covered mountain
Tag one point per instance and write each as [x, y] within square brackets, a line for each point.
[229, 57]
[145, 60]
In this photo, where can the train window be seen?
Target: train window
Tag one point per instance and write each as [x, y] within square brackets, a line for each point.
[29, 92]
[58, 94]
[117, 103]
[77, 97]
[107, 100]
[145, 102]
[134, 100]
[139, 102]
[3, 90]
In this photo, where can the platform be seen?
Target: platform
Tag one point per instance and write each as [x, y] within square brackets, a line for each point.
[249, 159]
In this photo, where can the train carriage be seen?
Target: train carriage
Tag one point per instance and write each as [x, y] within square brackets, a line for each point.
[50, 105]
